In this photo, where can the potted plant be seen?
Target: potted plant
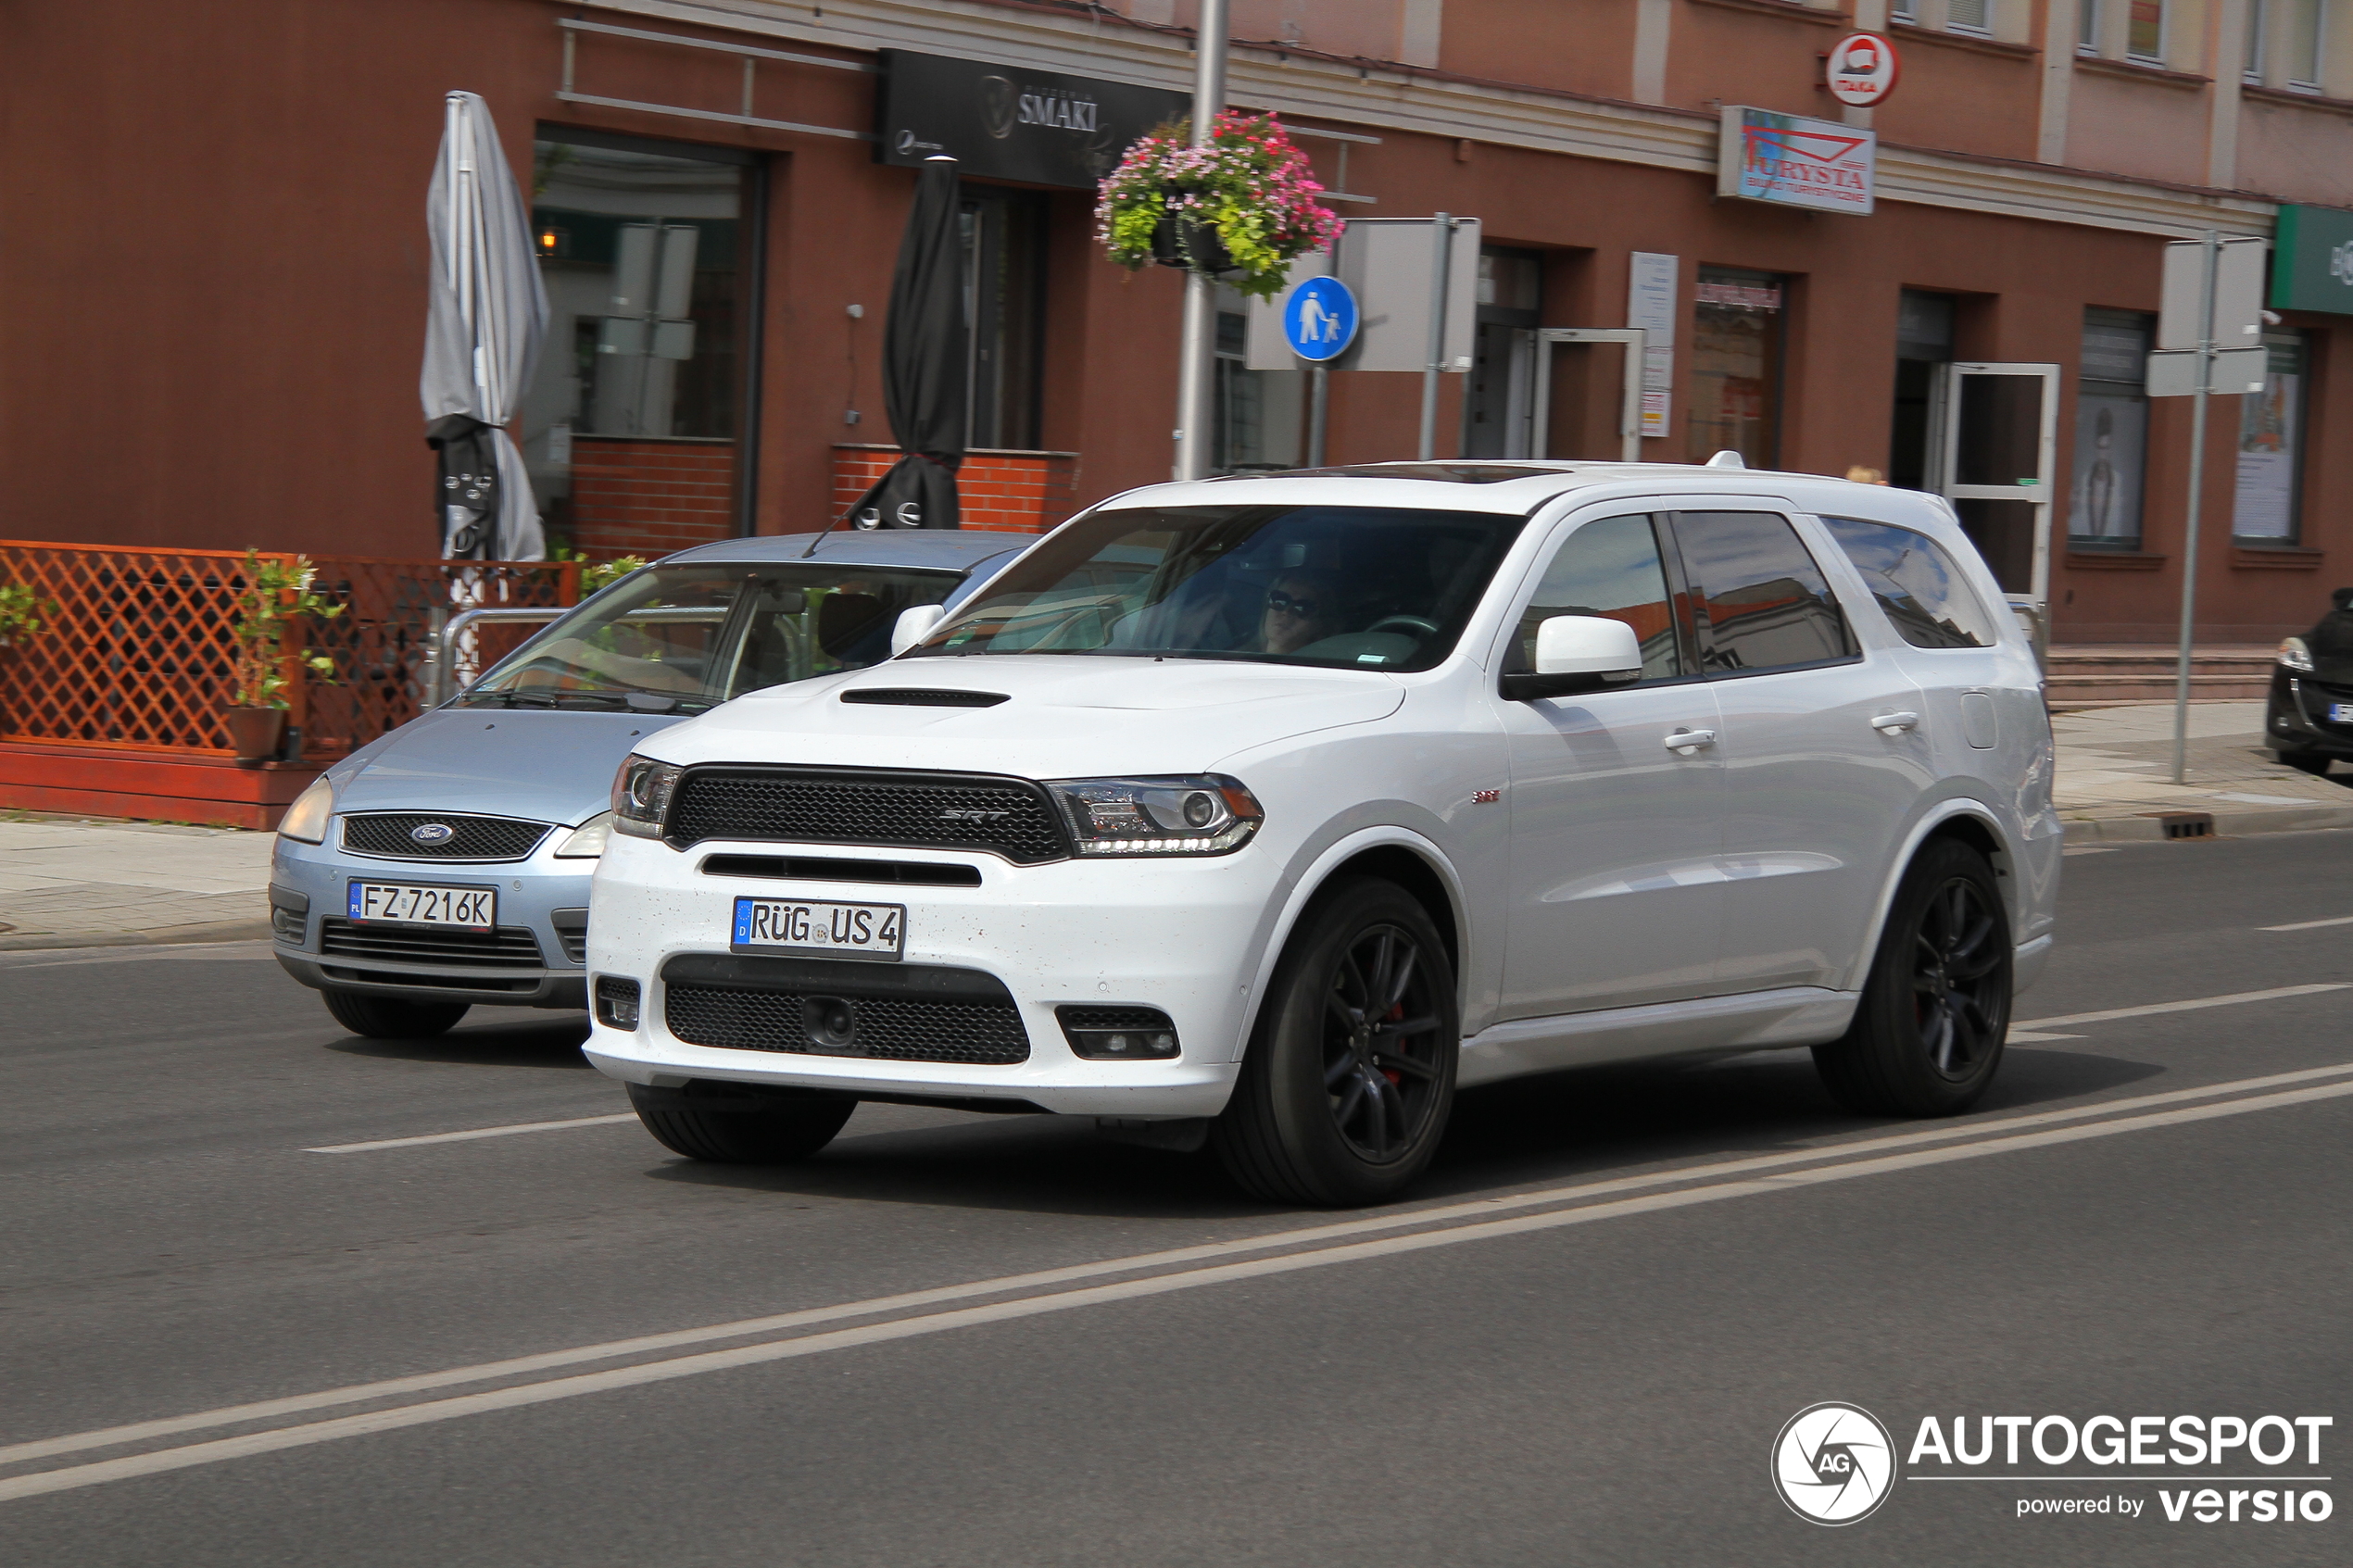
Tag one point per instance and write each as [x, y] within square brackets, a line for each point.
[23, 615]
[1238, 207]
[277, 593]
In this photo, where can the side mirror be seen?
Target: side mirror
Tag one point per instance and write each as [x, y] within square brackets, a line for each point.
[1576, 654]
[912, 626]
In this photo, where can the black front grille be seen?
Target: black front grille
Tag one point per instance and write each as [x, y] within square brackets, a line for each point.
[510, 947]
[895, 1013]
[1008, 817]
[388, 833]
[1113, 1018]
[809, 867]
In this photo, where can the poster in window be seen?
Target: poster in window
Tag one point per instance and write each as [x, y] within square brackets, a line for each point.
[2111, 445]
[2269, 426]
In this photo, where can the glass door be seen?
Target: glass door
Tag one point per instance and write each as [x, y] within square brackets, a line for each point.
[1993, 436]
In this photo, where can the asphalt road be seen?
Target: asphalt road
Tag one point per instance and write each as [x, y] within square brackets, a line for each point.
[1576, 1346]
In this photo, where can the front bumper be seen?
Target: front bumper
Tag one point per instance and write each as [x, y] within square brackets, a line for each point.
[1181, 937]
[2296, 717]
[542, 919]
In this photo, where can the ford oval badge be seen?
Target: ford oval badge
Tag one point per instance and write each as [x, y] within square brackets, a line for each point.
[432, 832]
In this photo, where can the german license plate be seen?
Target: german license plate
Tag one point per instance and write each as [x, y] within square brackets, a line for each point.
[413, 904]
[841, 931]
[2341, 712]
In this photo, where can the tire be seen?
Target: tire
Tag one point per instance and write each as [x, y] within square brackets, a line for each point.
[393, 1017]
[1342, 1102]
[2313, 762]
[1928, 1035]
[744, 1137]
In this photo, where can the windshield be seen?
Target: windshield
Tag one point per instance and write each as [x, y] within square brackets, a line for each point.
[683, 638]
[1357, 587]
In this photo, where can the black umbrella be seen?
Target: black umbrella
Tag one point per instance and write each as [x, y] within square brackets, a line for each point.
[924, 349]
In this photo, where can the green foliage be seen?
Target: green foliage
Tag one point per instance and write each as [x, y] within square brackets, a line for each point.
[604, 574]
[277, 593]
[1249, 187]
[23, 613]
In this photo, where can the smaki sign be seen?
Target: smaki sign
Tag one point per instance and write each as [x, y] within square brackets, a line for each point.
[1007, 123]
[1791, 161]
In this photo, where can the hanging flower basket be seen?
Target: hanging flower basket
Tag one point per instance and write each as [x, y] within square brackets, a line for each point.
[1238, 209]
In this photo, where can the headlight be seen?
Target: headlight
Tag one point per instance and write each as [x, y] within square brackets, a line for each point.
[641, 797]
[2296, 656]
[306, 820]
[587, 840]
[1207, 815]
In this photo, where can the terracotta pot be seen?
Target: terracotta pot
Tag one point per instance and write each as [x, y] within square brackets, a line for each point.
[258, 732]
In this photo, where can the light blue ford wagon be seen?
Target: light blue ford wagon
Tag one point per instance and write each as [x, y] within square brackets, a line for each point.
[446, 865]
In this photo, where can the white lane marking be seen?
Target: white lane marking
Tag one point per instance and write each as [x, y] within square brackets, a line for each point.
[2029, 1037]
[1309, 1235]
[472, 1133]
[312, 1433]
[2190, 1005]
[2309, 924]
[2090, 850]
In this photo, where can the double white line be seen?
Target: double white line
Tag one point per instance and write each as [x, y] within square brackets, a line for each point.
[651, 1357]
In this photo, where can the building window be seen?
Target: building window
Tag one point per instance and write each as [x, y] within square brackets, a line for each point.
[1904, 11]
[643, 251]
[1970, 16]
[2111, 431]
[1004, 288]
[2302, 19]
[1736, 366]
[1259, 413]
[2253, 71]
[2270, 479]
[2145, 31]
[2087, 26]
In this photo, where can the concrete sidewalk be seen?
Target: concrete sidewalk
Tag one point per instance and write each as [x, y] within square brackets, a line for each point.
[74, 884]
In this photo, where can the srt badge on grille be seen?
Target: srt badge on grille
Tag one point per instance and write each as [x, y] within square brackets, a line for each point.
[971, 814]
[432, 832]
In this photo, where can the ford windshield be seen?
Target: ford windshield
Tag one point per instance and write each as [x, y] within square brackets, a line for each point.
[1351, 587]
[683, 638]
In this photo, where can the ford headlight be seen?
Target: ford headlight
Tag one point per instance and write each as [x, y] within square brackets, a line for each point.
[1204, 815]
[306, 820]
[587, 840]
[641, 795]
[2295, 655]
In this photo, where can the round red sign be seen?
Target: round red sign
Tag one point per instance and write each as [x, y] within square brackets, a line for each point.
[1861, 69]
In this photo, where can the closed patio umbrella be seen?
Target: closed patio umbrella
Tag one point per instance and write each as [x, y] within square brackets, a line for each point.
[486, 313]
[925, 351]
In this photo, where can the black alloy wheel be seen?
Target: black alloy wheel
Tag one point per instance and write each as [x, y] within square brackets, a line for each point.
[1954, 964]
[1344, 1093]
[1381, 1044]
[1929, 1032]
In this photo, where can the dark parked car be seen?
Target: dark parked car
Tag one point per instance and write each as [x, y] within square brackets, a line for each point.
[2311, 717]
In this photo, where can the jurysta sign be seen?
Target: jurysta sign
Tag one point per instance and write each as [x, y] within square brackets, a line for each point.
[1792, 161]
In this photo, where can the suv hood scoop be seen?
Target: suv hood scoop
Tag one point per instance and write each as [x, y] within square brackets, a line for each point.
[924, 697]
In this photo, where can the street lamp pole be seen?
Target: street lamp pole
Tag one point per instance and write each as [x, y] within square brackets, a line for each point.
[1197, 368]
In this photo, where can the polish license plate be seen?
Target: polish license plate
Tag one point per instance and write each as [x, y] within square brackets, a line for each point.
[2341, 712]
[408, 903]
[841, 931]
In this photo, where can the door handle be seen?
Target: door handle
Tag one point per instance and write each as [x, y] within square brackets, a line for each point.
[1895, 724]
[1689, 741]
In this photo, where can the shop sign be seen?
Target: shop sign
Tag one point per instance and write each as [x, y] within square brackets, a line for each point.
[2312, 261]
[1791, 161]
[1650, 305]
[1861, 69]
[1010, 122]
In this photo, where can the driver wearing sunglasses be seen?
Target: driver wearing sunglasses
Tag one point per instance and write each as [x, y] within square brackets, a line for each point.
[1302, 607]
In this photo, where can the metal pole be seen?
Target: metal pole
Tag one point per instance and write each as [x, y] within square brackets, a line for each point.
[1319, 410]
[1442, 226]
[1197, 365]
[2206, 259]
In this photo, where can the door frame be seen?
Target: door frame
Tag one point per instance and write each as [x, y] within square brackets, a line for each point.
[1629, 411]
[1943, 440]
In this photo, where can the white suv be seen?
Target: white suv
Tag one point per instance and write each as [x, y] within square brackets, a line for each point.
[1271, 810]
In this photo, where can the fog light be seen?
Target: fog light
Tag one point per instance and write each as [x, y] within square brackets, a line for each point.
[616, 1002]
[831, 1023]
[1101, 1033]
[289, 923]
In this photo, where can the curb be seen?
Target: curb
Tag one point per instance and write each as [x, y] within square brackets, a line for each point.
[213, 931]
[2148, 829]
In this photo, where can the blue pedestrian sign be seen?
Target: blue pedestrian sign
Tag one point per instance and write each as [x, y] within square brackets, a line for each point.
[1319, 320]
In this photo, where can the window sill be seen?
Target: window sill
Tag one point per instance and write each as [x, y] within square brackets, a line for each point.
[2113, 561]
[2135, 72]
[1913, 33]
[2276, 557]
[2301, 100]
[1791, 9]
